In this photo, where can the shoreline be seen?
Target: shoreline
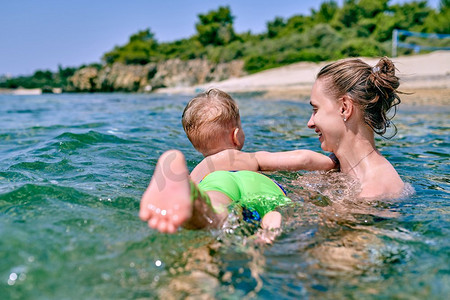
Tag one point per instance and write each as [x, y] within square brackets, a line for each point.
[424, 80]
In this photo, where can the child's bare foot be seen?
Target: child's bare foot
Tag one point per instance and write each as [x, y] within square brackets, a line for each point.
[166, 204]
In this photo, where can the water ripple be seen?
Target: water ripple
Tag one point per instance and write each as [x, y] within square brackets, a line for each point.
[73, 169]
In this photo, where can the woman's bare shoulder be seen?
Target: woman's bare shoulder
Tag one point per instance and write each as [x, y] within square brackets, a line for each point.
[383, 181]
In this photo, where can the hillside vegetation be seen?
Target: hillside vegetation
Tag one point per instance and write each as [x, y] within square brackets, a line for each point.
[357, 28]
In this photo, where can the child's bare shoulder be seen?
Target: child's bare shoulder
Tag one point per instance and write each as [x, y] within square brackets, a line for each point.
[225, 160]
[232, 159]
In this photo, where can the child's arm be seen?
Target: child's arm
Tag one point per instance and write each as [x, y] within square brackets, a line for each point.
[234, 160]
[294, 160]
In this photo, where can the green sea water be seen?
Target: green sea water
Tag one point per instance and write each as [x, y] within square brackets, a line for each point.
[73, 169]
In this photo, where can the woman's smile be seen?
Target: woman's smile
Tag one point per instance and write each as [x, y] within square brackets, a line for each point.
[319, 134]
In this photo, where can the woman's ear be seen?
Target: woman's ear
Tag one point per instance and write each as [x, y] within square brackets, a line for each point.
[347, 106]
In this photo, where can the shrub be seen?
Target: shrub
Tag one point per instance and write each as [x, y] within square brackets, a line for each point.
[361, 47]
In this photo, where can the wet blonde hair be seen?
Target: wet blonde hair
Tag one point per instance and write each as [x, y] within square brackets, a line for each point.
[373, 89]
[209, 117]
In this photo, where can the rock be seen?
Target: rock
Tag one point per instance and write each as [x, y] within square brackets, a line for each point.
[127, 78]
[145, 78]
[84, 80]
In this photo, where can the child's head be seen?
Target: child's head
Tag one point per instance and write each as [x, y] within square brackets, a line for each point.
[212, 123]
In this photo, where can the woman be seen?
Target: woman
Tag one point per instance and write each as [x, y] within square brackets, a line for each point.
[350, 101]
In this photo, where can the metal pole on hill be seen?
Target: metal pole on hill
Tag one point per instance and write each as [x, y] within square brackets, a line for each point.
[394, 42]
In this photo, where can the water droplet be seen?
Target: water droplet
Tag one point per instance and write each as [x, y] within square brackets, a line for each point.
[158, 263]
[13, 276]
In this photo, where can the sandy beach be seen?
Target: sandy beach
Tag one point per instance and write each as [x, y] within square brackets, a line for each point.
[425, 78]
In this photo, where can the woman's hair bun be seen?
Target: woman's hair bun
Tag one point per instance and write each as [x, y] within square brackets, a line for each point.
[383, 76]
[385, 66]
[385, 84]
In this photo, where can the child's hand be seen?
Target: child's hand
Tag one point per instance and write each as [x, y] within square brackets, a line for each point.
[272, 220]
[271, 228]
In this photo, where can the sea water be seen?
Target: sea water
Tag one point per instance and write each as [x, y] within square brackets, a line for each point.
[73, 168]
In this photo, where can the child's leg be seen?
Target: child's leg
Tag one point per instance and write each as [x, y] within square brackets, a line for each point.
[167, 203]
[209, 215]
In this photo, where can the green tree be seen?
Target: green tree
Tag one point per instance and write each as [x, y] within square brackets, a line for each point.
[141, 49]
[444, 4]
[297, 24]
[439, 22]
[361, 47]
[325, 13]
[323, 36]
[216, 27]
[347, 16]
[411, 16]
[183, 49]
[274, 27]
[371, 8]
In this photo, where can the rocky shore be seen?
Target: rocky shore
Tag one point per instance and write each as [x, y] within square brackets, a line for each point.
[425, 79]
[174, 73]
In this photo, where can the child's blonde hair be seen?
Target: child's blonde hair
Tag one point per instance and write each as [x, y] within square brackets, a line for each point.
[209, 117]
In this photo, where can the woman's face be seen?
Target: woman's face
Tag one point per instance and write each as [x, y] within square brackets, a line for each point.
[326, 118]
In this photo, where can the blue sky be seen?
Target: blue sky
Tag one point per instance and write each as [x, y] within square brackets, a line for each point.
[42, 34]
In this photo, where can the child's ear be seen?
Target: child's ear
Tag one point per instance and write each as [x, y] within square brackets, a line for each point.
[238, 138]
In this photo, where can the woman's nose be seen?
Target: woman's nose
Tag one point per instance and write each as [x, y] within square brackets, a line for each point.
[311, 122]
